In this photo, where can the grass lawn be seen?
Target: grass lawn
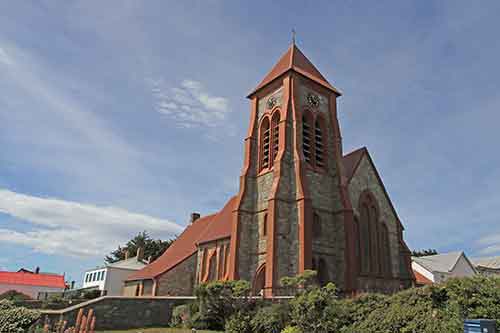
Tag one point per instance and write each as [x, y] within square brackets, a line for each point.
[156, 330]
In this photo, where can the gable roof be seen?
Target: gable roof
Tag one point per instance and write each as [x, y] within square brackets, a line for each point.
[207, 228]
[31, 279]
[295, 60]
[439, 262]
[351, 162]
[489, 262]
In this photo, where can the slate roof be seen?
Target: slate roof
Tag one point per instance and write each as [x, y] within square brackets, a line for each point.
[440, 262]
[295, 60]
[490, 262]
[131, 263]
[32, 279]
[205, 229]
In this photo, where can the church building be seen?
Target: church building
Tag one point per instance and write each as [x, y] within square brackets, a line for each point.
[302, 204]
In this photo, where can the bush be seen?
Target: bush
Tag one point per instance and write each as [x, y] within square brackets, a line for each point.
[271, 319]
[239, 322]
[14, 295]
[16, 319]
[180, 315]
[218, 301]
[291, 329]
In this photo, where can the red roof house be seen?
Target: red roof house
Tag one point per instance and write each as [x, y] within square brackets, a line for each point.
[30, 283]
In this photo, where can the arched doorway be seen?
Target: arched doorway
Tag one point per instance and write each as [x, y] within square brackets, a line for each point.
[259, 281]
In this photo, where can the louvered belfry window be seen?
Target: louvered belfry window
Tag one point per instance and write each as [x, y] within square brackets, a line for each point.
[313, 140]
[269, 140]
[265, 143]
[276, 134]
[318, 144]
[306, 138]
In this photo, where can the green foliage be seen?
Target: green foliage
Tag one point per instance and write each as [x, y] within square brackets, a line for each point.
[180, 315]
[219, 300]
[423, 253]
[478, 297]
[305, 280]
[271, 319]
[15, 296]
[16, 319]
[291, 329]
[311, 311]
[239, 322]
[153, 248]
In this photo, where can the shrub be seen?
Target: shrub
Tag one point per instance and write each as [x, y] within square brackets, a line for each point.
[239, 322]
[14, 295]
[271, 319]
[16, 319]
[180, 315]
[291, 329]
[308, 309]
[219, 300]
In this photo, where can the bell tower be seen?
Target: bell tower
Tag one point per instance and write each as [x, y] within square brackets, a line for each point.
[292, 212]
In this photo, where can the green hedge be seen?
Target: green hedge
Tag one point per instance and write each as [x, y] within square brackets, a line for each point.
[16, 319]
[439, 308]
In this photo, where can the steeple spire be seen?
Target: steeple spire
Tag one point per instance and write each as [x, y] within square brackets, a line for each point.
[294, 60]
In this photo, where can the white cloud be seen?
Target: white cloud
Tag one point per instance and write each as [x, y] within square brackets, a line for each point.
[4, 58]
[190, 105]
[75, 229]
[491, 244]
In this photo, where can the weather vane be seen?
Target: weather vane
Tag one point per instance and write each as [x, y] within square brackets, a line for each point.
[293, 36]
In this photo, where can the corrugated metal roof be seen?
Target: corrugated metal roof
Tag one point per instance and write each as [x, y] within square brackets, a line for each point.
[488, 262]
[440, 262]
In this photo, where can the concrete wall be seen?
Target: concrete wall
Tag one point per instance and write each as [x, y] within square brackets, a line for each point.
[120, 312]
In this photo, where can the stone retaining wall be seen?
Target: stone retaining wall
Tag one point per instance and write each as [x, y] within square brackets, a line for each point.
[121, 312]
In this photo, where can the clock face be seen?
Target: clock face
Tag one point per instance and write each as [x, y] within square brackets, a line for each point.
[313, 100]
[271, 102]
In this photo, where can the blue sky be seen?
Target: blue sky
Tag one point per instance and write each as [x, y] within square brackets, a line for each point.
[122, 116]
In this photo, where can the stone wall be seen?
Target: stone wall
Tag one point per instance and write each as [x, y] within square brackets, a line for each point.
[121, 312]
[180, 280]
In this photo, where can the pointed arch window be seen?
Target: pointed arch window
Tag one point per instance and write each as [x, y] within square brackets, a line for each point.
[265, 135]
[275, 123]
[269, 140]
[318, 143]
[373, 236]
[314, 139]
[264, 226]
[307, 142]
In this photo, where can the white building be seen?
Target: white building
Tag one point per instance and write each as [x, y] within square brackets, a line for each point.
[109, 279]
[440, 267]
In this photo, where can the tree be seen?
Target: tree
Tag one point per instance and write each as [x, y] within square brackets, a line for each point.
[152, 248]
[423, 253]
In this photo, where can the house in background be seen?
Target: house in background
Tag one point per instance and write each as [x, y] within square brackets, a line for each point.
[31, 283]
[487, 266]
[109, 279]
[440, 267]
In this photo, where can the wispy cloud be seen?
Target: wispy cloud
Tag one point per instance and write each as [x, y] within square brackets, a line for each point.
[190, 104]
[490, 244]
[4, 58]
[75, 229]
